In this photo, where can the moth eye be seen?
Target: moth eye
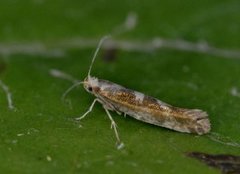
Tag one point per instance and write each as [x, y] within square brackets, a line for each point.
[90, 89]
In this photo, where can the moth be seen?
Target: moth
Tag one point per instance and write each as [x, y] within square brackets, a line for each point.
[114, 97]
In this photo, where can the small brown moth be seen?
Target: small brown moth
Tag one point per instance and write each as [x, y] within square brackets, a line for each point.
[117, 98]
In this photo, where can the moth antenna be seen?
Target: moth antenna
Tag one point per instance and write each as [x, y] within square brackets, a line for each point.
[96, 52]
[70, 89]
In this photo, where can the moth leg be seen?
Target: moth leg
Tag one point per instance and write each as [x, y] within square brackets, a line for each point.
[89, 110]
[114, 127]
[110, 107]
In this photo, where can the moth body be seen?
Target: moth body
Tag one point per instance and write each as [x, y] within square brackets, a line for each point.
[117, 98]
[147, 109]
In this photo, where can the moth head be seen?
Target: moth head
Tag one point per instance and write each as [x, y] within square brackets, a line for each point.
[91, 84]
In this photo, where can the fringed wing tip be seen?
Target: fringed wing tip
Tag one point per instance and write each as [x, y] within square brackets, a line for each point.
[202, 123]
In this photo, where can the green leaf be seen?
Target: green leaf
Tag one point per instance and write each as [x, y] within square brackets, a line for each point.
[41, 136]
